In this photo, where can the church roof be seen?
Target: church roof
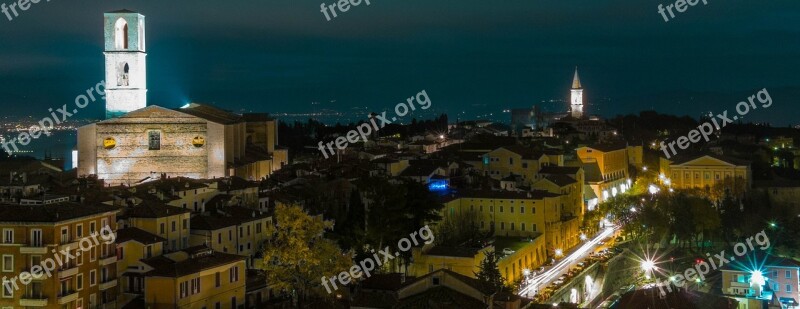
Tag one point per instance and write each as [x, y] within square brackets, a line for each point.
[123, 11]
[576, 81]
[211, 113]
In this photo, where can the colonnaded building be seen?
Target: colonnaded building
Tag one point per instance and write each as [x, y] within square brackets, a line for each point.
[138, 142]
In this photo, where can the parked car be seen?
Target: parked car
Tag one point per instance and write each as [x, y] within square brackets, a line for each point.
[508, 251]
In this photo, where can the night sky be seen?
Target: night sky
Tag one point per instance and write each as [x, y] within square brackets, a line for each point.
[472, 56]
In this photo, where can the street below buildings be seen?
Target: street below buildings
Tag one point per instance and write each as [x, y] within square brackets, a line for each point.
[541, 280]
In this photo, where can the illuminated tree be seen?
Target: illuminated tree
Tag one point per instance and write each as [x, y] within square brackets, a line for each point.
[297, 255]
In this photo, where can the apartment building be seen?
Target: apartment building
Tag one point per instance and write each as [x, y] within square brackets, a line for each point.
[523, 214]
[155, 217]
[195, 278]
[776, 284]
[30, 237]
[133, 246]
[232, 229]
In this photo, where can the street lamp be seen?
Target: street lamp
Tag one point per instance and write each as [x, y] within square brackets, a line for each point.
[583, 237]
[559, 252]
[648, 265]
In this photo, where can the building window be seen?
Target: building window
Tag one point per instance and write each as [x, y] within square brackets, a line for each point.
[155, 140]
[79, 282]
[195, 286]
[522, 226]
[522, 209]
[92, 277]
[184, 289]
[234, 274]
[502, 226]
[788, 288]
[501, 208]
[36, 238]
[174, 226]
[8, 289]
[64, 235]
[8, 263]
[788, 274]
[8, 236]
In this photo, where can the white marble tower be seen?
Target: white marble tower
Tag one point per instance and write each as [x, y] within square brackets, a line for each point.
[126, 66]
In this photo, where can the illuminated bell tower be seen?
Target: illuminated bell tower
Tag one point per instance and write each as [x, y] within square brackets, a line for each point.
[576, 94]
[126, 69]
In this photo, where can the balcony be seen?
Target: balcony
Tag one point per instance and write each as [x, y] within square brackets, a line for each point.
[107, 285]
[108, 260]
[42, 274]
[30, 301]
[735, 284]
[67, 297]
[33, 249]
[68, 272]
[71, 244]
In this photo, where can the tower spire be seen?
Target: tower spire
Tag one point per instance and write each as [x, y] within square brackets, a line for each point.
[576, 81]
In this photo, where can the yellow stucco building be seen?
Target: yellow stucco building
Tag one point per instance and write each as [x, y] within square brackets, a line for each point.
[704, 171]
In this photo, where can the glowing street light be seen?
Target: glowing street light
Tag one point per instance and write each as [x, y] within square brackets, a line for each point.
[644, 168]
[583, 237]
[633, 209]
[559, 252]
[653, 189]
[648, 265]
[757, 277]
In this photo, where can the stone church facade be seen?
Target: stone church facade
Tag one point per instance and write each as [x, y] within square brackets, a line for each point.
[137, 143]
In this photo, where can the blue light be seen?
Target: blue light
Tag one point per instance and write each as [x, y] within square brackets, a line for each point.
[438, 185]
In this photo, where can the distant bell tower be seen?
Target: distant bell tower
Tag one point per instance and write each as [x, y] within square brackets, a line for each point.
[126, 66]
[576, 94]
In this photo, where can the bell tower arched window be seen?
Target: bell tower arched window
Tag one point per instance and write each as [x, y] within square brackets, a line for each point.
[123, 77]
[121, 34]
